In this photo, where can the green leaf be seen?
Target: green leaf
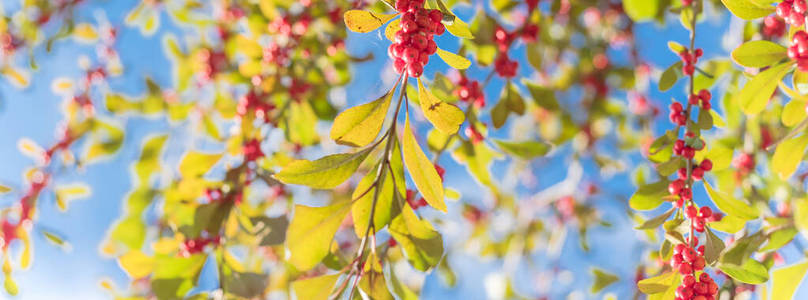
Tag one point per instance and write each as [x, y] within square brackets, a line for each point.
[602, 280]
[758, 54]
[195, 164]
[729, 224]
[641, 10]
[705, 120]
[730, 205]
[713, 247]
[444, 116]
[513, 99]
[359, 125]
[658, 284]
[544, 97]
[363, 202]
[499, 114]
[788, 155]
[649, 196]
[422, 245]
[422, 170]
[149, 161]
[671, 166]
[365, 21]
[311, 232]
[756, 93]
[747, 9]
[374, 285]
[793, 112]
[453, 60]
[656, 221]
[779, 238]
[670, 76]
[315, 288]
[752, 272]
[786, 280]
[720, 156]
[324, 173]
[525, 150]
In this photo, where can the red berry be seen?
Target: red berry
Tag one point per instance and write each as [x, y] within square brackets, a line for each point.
[676, 186]
[705, 212]
[679, 248]
[784, 10]
[685, 268]
[697, 173]
[691, 212]
[415, 70]
[676, 106]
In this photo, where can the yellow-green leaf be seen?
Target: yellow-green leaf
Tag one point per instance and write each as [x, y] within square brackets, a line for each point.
[136, 264]
[422, 245]
[359, 125]
[315, 288]
[444, 116]
[311, 232]
[422, 170]
[195, 164]
[4, 189]
[658, 284]
[641, 10]
[786, 280]
[788, 156]
[11, 286]
[793, 112]
[454, 60]
[756, 93]
[324, 173]
[365, 21]
[730, 205]
[459, 29]
[747, 9]
[758, 54]
[363, 202]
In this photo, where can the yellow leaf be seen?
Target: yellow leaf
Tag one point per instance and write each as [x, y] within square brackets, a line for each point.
[85, 33]
[30, 148]
[793, 112]
[444, 116]
[459, 29]
[454, 60]
[17, 77]
[391, 29]
[788, 156]
[136, 264]
[196, 164]
[359, 125]
[67, 193]
[167, 245]
[248, 46]
[365, 21]
[422, 170]
[785, 281]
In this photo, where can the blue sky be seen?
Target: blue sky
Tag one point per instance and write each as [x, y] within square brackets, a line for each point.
[34, 113]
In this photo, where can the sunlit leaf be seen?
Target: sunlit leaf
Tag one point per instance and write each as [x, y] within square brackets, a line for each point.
[786, 280]
[421, 170]
[758, 54]
[365, 21]
[444, 116]
[788, 155]
[454, 60]
[756, 92]
[311, 233]
[359, 125]
[422, 245]
[324, 173]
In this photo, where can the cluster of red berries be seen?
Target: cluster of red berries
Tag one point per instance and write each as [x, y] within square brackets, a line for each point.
[678, 114]
[469, 91]
[213, 62]
[9, 43]
[690, 60]
[799, 50]
[298, 89]
[194, 246]
[792, 11]
[773, 27]
[252, 102]
[414, 40]
[504, 66]
[687, 261]
[252, 150]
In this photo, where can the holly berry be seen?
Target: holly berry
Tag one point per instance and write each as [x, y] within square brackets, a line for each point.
[414, 40]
